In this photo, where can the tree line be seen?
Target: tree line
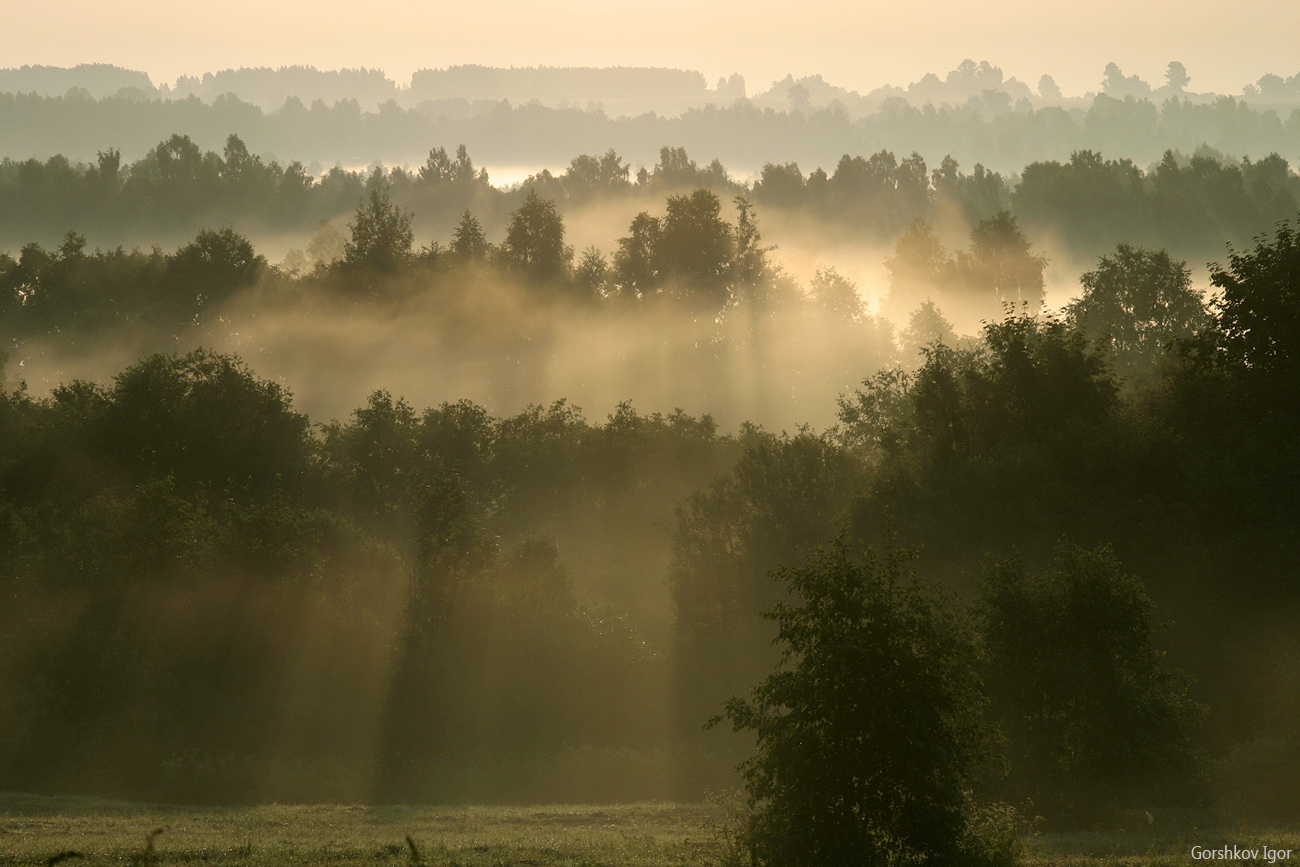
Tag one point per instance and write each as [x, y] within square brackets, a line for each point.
[1189, 205]
[990, 127]
[692, 257]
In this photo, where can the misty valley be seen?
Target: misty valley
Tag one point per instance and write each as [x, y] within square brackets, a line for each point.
[921, 508]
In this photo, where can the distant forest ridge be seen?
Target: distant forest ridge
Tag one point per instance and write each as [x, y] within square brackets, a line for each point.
[619, 91]
[988, 129]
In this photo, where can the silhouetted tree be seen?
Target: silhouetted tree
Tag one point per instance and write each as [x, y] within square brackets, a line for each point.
[1259, 313]
[469, 242]
[211, 268]
[636, 266]
[534, 241]
[381, 236]
[1137, 302]
[1000, 264]
[1176, 76]
[695, 248]
[592, 274]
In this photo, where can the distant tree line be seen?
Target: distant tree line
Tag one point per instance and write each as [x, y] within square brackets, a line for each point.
[990, 128]
[619, 90]
[1190, 205]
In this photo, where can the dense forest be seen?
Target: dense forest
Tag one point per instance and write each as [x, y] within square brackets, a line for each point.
[337, 528]
[1190, 204]
[200, 570]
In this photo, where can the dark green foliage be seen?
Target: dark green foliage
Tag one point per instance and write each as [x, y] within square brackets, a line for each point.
[70, 289]
[211, 268]
[636, 265]
[186, 601]
[1094, 721]
[867, 732]
[381, 236]
[1001, 265]
[1259, 314]
[695, 248]
[1189, 205]
[534, 243]
[1137, 304]
[193, 574]
[1034, 382]
[1091, 198]
[468, 241]
[208, 422]
[377, 459]
[781, 500]
[693, 255]
[880, 191]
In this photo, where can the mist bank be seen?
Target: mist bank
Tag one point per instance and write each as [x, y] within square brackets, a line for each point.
[694, 309]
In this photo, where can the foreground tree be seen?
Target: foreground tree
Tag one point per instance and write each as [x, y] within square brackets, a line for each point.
[866, 732]
[1259, 313]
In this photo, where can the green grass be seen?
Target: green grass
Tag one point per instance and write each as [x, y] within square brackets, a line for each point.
[1159, 844]
[32, 829]
[35, 828]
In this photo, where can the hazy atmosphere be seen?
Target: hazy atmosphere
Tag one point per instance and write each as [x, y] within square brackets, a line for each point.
[727, 435]
[857, 45]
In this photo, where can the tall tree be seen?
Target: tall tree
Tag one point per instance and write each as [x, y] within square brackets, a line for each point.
[636, 265]
[1259, 313]
[1000, 263]
[1136, 302]
[534, 242]
[469, 242]
[381, 235]
[696, 247]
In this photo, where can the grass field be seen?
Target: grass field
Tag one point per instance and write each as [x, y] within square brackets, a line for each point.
[34, 829]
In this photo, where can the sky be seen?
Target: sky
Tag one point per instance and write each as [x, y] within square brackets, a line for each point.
[852, 43]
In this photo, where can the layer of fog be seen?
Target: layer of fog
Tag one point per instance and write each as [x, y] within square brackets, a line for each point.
[488, 339]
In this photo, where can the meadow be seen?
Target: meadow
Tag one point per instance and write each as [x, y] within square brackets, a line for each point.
[38, 830]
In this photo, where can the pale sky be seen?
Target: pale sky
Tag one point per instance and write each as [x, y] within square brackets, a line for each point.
[859, 45]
